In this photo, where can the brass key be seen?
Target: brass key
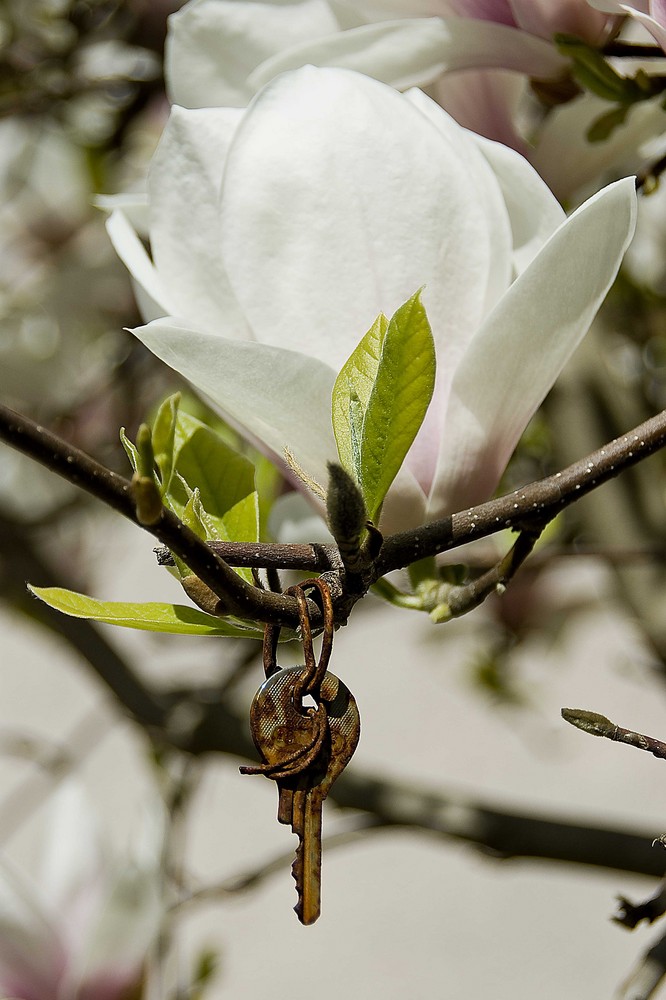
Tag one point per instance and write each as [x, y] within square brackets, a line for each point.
[304, 750]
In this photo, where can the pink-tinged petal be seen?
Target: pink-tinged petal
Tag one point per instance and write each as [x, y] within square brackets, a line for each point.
[416, 51]
[567, 161]
[213, 45]
[485, 101]
[340, 199]
[280, 398]
[184, 188]
[487, 10]
[152, 296]
[524, 343]
[546, 17]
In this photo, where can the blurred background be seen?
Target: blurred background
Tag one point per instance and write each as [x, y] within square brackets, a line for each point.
[438, 880]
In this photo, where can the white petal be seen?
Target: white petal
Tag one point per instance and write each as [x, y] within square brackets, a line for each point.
[339, 201]
[523, 345]
[534, 212]
[282, 398]
[153, 296]
[184, 187]
[134, 205]
[567, 161]
[213, 45]
[482, 179]
[415, 51]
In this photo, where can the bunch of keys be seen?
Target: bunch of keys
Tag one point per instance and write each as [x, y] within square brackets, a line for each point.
[304, 747]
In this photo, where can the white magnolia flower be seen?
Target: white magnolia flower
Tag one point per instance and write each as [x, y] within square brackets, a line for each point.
[82, 931]
[279, 233]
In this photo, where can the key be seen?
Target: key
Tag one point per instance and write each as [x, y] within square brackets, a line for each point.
[344, 730]
[304, 750]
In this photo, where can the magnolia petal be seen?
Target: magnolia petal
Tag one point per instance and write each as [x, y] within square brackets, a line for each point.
[213, 45]
[524, 343]
[482, 179]
[339, 201]
[534, 212]
[650, 13]
[486, 101]
[280, 397]
[546, 17]
[134, 205]
[415, 51]
[153, 296]
[567, 161]
[184, 188]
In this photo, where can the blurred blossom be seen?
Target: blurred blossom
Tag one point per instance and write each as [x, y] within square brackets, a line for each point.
[83, 929]
[221, 52]
[650, 13]
[278, 234]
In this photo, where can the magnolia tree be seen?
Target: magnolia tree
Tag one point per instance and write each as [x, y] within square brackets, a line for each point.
[367, 240]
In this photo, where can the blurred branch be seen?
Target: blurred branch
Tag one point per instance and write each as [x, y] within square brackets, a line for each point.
[250, 880]
[196, 721]
[645, 979]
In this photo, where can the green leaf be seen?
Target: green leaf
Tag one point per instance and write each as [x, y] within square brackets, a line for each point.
[594, 73]
[604, 126]
[223, 477]
[130, 449]
[149, 617]
[398, 401]
[227, 506]
[351, 393]
[164, 433]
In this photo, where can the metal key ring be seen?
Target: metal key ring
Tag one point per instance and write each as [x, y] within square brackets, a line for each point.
[314, 671]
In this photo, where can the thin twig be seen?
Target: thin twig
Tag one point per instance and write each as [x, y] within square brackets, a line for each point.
[237, 596]
[598, 725]
[537, 503]
[462, 599]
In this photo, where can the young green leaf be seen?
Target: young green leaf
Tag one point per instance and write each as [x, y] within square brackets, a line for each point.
[149, 617]
[351, 393]
[130, 449]
[164, 432]
[397, 404]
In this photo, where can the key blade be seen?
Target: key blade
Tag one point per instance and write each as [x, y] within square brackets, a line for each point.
[306, 869]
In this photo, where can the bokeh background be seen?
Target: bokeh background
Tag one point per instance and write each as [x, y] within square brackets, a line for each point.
[457, 719]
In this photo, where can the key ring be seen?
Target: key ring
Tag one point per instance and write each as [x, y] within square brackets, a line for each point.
[314, 670]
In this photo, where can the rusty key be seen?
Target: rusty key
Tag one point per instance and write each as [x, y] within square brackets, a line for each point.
[344, 730]
[304, 750]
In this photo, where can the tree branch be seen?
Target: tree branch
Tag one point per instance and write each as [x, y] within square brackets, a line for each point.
[534, 504]
[527, 509]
